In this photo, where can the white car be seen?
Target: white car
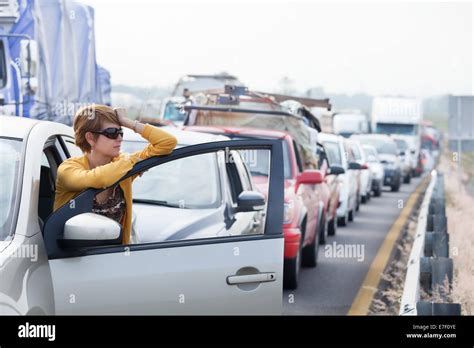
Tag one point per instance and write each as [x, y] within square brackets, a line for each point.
[388, 155]
[334, 145]
[365, 178]
[376, 169]
[69, 262]
[406, 158]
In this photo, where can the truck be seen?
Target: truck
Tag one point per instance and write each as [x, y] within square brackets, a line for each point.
[193, 83]
[48, 65]
[400, 117]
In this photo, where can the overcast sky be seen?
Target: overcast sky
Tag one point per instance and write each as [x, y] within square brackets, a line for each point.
[390, 48]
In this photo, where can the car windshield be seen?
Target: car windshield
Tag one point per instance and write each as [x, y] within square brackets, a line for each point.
[173, 112]
[383, 146]
[392, 128]
[191, 182]
[10, 155]
[333, 153]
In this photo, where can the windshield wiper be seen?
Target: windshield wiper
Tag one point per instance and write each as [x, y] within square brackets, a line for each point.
[155, 202]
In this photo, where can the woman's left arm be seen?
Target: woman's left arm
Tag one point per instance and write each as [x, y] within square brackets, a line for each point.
[161, 142]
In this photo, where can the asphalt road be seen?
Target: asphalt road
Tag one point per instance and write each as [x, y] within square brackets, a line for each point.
[330, 288]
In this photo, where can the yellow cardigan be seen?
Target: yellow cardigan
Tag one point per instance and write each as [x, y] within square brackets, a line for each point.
[75, 176]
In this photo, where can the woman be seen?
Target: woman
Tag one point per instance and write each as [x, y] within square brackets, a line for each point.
[99, 134]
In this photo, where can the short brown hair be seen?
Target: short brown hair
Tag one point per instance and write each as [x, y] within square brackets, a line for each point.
[90, 119]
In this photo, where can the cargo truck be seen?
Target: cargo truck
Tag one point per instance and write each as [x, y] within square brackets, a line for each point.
[401, 117]
[48, 65]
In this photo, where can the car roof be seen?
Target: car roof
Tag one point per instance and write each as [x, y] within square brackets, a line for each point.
[184, 137]
[16, 127]
[257, 132]
[369, 146]
[329, 137]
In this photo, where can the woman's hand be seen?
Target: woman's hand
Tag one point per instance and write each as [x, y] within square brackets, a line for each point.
[122, 117]
[137, 127]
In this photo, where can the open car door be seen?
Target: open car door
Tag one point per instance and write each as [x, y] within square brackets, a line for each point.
[224, 274]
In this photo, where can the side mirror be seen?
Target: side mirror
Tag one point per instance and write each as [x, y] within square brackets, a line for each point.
[310, 176]
[336, 170]
[250, 201]
[89, 229]
[402, 153]
[354, 165]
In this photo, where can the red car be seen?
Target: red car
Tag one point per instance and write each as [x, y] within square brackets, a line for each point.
[311, 198]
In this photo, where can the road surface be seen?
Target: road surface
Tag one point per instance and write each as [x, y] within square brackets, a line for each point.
[330, 288]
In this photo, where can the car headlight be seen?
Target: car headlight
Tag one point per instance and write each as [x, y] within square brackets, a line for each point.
[288, 212]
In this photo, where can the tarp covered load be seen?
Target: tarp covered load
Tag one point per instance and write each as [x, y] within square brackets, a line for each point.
[68, 74]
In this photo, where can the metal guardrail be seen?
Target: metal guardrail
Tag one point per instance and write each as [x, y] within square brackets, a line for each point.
[429, 266]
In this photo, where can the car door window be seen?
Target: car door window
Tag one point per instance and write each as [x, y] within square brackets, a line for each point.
[189, 183]
[73, 149]
[322, 156]
[333, 153]
[180, 199]
[51, 158]
[299, 162]
[242, 171]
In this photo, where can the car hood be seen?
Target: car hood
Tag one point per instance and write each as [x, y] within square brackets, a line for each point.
[156, 223]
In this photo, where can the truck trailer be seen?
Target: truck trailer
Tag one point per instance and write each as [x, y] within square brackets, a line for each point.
[48, 65]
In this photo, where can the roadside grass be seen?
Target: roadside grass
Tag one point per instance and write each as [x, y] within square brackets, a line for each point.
[439, 121]
[388, 297]
[460, 215]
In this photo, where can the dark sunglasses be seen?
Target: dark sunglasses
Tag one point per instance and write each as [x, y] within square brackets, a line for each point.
[111, 133]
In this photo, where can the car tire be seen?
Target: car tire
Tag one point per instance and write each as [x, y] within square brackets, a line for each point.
[357, 204]
[323, 233]
[343, 221]
[351, 215]
[332, 226]
[407, 179]
[396, 187]
[364, 199]
[291, 270]
[310, 252]
[378, 192]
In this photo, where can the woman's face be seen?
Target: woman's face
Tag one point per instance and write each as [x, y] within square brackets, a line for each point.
[106, 146]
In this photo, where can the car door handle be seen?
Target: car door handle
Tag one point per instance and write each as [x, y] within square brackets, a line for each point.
[251, 278]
